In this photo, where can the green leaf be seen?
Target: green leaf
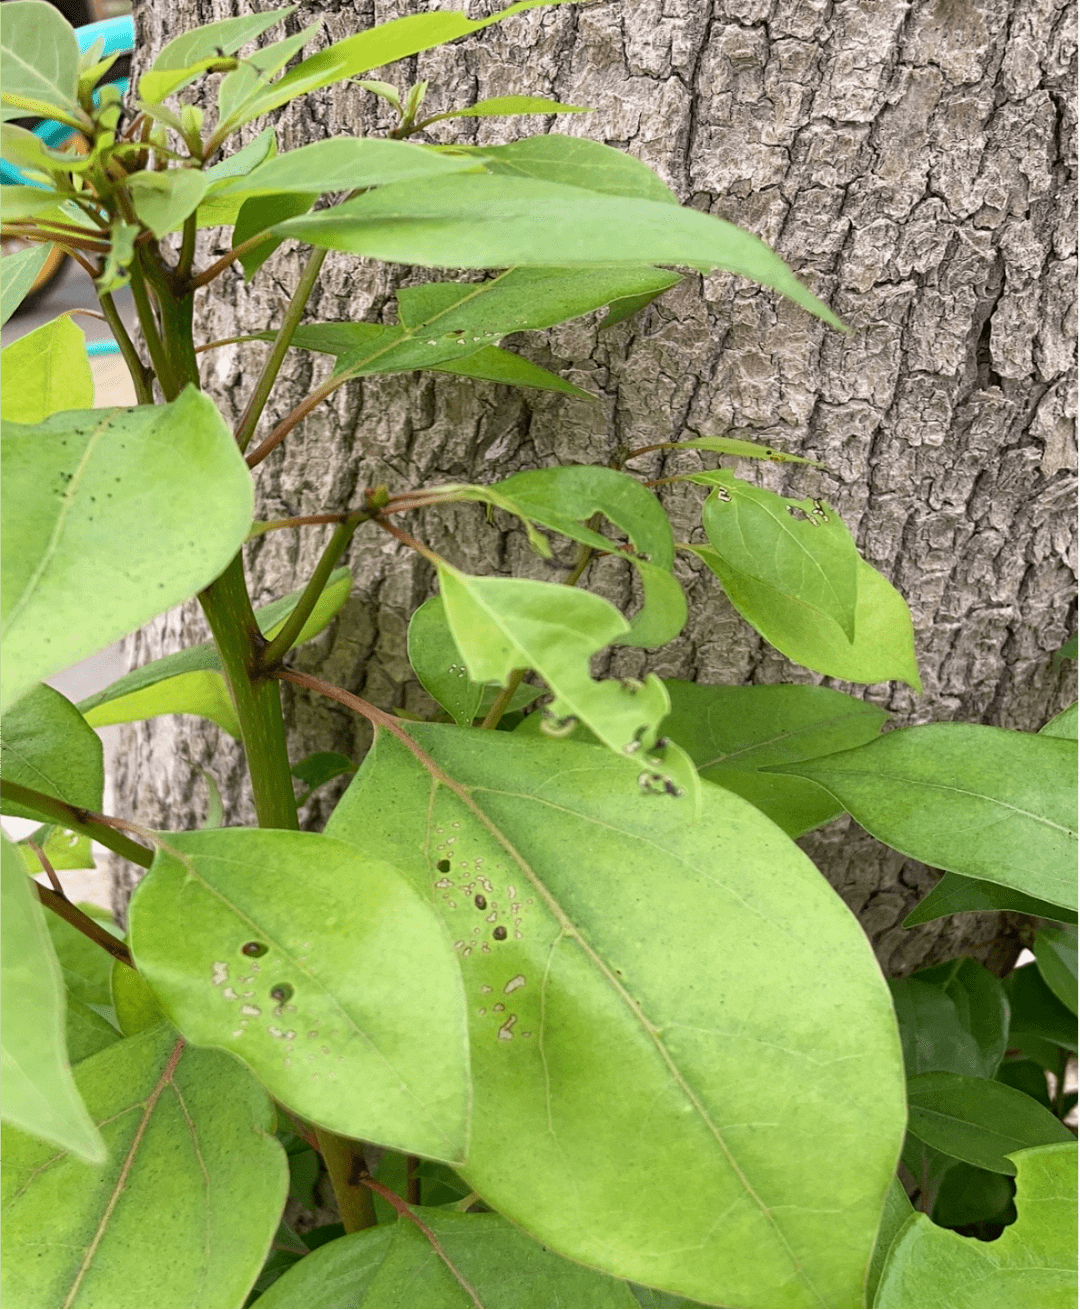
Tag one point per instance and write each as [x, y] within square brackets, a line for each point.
[99, 707]
[39, 56]
[574, 161]
[85, 966]
[322, 767]
[395, 1265]
[18, 201]
[490, 364]
[135, 1004]
[183, 1210]
[496, 106]
[978, 1120]
[344, 164]
[800, 550]
[163, 200]
[486, 221]
[963, 1030]
[985, 802]
[39, 1094]
[45, 371]
[80, 493]
[1027, 1076]
[246, 80]
[969, 1195]
[19, 272]
[240, 162]
[732, 733]
[372, 49]
[1062, 725]
[202, 692]
[45, 744]
[86, 1030]
[741, 450]
[1055, 954]
[955, 895]
[621, 981]
[1035, 1012]
[896, 1213]
[884, 645]
[63, 849]
[566, 498]
[436, 662]
[186, 56]
[1032, 1264]
[1066, 652]
[256, 215]
[320, 924]
[503, 624]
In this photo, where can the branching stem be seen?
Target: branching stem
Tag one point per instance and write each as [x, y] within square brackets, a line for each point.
[98, 827]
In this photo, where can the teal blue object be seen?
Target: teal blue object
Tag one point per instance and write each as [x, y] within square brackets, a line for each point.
[108, 347]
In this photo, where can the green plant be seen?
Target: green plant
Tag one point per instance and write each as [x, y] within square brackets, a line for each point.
[563, 968]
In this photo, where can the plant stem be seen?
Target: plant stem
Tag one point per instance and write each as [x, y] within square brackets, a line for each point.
[292, 419]
[95, 826]
[149, 324]
[61, 906]
[141, 376]
[50, 872]
[176, 315]
[347, 1168]
[274, 653]
[502, 701]
[187, 249]
[293, 314]
[412, 1180]
[219, 266]
[240, 644]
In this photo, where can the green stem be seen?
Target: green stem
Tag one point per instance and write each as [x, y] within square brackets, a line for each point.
[230, 257]
[95, 826]
[347, 1168]
[240, 644]
[270, 370]
[148, 322]
[141, 376]
[273, 654]
[176, 312]
[187, 249]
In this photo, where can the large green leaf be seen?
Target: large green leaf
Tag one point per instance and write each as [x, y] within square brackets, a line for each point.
[257, 67]
[46, 744]
[344, 164]
[575, 161]
[884, 645]
[182, 1212]
[503, 624]
[320, 969]
[39, 1094]
[39, 56]
[182, 59]
[371, 49]
[799, 549]
[395, 1265]
[955, 894]
[18, 273]
[163, 200]
[1055, 954]
[133, 696]
[978, 1120]
[110, 517]
[45, 371]
[644, 995]
[486, 221]
[85, 967]
[981, 801]
[732, 733]
[1063, 724]
[895, 1215]
[1032, 1264]
[1035, 1012]
[959, 1025]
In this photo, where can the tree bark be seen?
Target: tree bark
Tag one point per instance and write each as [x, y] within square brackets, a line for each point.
[913, 163]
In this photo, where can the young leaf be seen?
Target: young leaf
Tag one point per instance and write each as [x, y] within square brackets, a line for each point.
[575, 161]
[396, 1265]
[18, 273]
[39, 1094]
[284, 933]
[955, 895]
[1036, 1013]
[503, 624]
[45, 371]
[490, 364]
[244, 82]
[258, 213]
[896, 1213]
[965, 1032]
[46, 744]
[985, 802]
[800, 550]
[192, 1159]
[740, 450]
[732, 733]
[486, 221]
[497, 106]
[1062, 725]
[1032, 1263]
[240, 162]
[201, 691]
[884, 645]
[978, 1120]
[163, 200]
[186, 56]
[321, 767]
[619, 976]
[79, 491]
[1055, 954]
[39, 56]
[63, 849]
[28, 201]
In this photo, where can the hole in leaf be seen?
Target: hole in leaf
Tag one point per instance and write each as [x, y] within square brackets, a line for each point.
[254, 948]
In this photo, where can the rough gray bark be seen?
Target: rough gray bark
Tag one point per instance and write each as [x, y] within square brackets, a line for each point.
[913, 162]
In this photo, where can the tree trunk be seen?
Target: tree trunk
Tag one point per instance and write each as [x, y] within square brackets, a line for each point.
[912, 162]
